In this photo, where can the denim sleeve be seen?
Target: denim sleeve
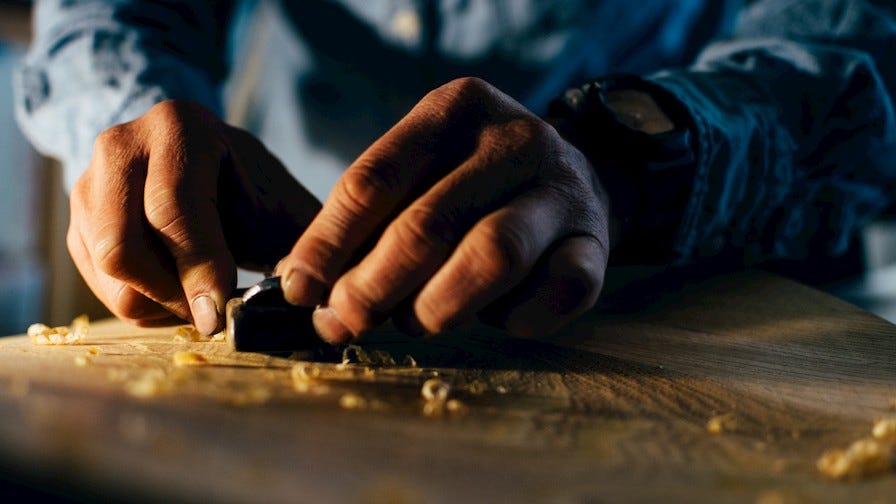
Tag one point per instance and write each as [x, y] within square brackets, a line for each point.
[795, 131]
[93, 64]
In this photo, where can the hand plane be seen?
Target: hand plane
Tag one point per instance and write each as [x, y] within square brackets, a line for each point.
[260, 320]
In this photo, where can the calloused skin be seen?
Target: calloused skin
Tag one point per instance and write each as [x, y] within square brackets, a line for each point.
[469, 207]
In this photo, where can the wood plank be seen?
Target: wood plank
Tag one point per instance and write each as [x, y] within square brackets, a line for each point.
[615, 408]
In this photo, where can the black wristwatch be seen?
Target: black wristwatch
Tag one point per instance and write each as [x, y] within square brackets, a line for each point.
[649, 177]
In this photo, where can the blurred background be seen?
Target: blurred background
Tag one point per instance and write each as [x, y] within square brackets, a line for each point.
[38, 281]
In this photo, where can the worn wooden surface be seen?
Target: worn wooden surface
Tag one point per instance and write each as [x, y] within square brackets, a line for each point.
[613, 409]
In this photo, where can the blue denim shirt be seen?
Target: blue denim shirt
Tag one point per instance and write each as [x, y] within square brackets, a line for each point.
[791, 101]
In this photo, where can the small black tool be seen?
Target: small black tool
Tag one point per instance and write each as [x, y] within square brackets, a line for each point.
[260, 320]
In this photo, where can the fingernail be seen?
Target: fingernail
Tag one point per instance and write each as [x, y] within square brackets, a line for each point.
[205, 314]
[301, 289]
[328, 326]
[277, 271]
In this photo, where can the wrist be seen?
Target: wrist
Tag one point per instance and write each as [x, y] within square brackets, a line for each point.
[637, 137]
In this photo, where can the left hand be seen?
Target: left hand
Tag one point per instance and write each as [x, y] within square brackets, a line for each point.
[470, 205]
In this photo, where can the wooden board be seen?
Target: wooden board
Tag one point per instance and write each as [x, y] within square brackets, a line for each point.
[613, 409]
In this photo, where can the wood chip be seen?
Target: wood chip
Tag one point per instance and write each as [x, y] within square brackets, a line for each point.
[151, 383]
[187, 333]
[189, 359]
[352, 402]
[865, 457]
[435, 390]
[74, 333]
[721, 423]
[249, 397]
[885, 429]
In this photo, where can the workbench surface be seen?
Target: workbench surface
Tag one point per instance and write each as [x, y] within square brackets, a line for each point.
[615, 408]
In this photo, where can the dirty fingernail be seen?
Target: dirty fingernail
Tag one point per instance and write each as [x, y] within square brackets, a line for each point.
[205, 314]
[328, 325]
[301, 289]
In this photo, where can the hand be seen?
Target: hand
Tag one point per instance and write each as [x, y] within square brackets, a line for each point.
[470, 205]
[170, 204]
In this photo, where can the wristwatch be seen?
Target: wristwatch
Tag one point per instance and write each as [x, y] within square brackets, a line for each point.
[648, 177]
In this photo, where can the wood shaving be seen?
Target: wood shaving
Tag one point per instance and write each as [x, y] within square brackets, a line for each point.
[455, 406]
[187, 333]
[305, 371]
[433, 408]
[152, 383]
[306, 379]
[189, 359]
[304, 387]
[885, 429]
[352, 402]
[81, 361]
[719, 424]
[219, 337]
[865, 457]
[249, 397]
[435, 390]
[476, 387]
[74, 333]
[354, 354]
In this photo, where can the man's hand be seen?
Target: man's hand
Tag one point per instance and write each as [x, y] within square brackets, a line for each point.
[167, 208]
[470, 205]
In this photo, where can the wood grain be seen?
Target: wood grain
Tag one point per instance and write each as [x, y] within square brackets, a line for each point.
[612, 409]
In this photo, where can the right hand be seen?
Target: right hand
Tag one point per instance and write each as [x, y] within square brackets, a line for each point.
[168, 207]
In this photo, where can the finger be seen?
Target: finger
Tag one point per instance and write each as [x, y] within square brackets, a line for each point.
[108, 207]
[123, 301]
[437, 134]
[181, 207]
[564, 285]
[497, 254]
[422, 237]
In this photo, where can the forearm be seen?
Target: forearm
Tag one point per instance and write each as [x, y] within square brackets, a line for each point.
[795, 133]
[792, 136]
[95, 64]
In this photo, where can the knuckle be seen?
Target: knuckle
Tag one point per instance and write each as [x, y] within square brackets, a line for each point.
[112, 142]
[115, 256]
[166, 213]
[170, 111]
[466, 87]
[362, 189]
[454, 98]
[130, 305]
[503, 253]
[423, 231]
